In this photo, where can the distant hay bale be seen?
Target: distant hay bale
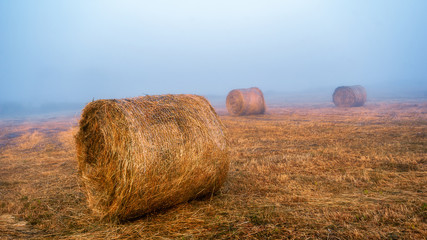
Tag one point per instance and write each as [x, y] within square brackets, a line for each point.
[245, 102]
[138, 155]
[349, 96]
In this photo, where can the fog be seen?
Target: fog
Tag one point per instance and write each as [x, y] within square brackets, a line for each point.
[66, 53]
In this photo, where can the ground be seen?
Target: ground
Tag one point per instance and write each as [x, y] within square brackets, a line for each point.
[311, 171]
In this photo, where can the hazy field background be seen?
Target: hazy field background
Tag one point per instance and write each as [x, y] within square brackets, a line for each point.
[322, 96]
[61, 55]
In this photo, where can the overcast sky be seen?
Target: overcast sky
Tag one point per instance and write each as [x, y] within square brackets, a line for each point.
[77, 50]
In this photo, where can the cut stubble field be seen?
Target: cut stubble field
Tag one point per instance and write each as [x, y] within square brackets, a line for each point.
[305, 172]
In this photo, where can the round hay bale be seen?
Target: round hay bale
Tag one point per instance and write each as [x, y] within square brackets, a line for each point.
[349, 96]
[138, 155]
[245, 101]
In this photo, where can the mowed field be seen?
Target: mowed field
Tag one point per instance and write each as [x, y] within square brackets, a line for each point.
[306, 172]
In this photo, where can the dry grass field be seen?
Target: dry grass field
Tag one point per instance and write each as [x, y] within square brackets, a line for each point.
[306, 172]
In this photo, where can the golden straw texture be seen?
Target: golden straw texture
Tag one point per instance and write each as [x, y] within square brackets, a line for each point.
[138, 155]
[349, 96]
[245, 102]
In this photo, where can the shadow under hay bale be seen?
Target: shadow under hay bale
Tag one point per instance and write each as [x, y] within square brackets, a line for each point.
[246, 101]
[349, 96]
[142, 154]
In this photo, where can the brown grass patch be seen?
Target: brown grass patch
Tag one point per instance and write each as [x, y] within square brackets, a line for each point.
[295, 173]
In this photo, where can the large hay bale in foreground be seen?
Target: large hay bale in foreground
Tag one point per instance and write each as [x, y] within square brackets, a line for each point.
[245, 101]
[142, 154]
[349, 96]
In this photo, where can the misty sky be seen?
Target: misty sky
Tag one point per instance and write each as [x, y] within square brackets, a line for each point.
[77, 50]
